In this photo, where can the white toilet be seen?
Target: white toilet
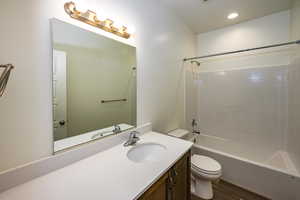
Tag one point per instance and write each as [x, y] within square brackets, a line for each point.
[204, 170]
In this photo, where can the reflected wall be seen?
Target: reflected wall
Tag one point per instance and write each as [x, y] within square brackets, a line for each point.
[94, 82]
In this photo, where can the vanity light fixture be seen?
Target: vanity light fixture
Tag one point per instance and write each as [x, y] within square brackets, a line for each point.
[90, 18]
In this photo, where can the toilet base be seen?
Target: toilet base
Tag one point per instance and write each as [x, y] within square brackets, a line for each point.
[203, 174]
[202, 188]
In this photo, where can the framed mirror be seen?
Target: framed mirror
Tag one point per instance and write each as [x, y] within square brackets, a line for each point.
[94, 86]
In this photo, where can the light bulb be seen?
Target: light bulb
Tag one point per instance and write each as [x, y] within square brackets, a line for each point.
[130, 30]
[90, 15]
[108, 23]
[233, 15]
[117, 25]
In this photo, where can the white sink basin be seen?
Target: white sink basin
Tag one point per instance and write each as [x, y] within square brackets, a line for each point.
[147, 152]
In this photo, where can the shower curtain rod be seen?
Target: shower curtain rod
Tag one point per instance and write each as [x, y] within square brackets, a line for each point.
[244, 50]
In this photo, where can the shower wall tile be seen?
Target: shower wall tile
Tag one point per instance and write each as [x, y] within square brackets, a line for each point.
[246, 105]
[293, 135]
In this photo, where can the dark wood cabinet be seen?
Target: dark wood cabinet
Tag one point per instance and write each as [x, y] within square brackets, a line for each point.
[158, 190]
[173, 185]
[182, 176]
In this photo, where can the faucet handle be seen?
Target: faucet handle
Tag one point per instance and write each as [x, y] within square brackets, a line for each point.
[134, 134]
[117, 129]
[133, 138]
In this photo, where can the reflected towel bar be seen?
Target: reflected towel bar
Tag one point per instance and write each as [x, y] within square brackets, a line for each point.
[115, 100]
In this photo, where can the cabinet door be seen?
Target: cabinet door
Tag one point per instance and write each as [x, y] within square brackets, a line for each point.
[158, 191]
[182, 179]
[174, 185]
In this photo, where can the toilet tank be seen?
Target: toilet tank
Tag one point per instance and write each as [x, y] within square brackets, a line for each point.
[179, 133]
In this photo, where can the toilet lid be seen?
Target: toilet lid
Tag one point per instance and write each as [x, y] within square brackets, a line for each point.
[205, 163]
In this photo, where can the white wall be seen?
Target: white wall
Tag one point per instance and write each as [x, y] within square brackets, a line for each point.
[162, 40]
[271, 29]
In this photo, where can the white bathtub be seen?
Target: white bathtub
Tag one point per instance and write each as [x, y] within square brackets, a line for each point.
[268, 173]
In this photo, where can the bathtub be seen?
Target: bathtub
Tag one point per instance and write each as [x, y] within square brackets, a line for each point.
[265, 172]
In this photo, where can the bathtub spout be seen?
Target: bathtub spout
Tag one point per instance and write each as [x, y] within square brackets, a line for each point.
[194, 125]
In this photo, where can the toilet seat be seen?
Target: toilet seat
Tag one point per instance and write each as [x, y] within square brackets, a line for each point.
[206, 165]
[203, 173]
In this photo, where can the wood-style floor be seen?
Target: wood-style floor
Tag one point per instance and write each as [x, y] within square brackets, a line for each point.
[227, 191]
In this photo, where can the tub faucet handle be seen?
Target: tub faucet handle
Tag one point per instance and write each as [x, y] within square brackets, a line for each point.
[194, 123]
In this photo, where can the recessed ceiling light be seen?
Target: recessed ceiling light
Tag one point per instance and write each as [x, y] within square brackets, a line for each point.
[233, 15]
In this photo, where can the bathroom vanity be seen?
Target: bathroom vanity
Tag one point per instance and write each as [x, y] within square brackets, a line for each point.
[157, 167]
[174, 184]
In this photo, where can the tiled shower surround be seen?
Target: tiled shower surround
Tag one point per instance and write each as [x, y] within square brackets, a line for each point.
[256, 110]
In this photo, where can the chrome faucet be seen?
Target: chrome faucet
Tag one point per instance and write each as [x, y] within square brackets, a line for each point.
[133, 138]
[117, 129]
[194, 125]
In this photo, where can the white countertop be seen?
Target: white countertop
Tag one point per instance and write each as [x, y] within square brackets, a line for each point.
[108, 175]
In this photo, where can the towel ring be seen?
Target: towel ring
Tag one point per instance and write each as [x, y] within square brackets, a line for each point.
[5, 77]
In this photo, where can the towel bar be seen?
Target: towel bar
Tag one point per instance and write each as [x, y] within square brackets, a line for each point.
[114, 100]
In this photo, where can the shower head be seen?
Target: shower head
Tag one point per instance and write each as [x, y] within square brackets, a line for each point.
[197, 63]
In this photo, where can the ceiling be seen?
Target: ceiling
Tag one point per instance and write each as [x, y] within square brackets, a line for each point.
[203, 16]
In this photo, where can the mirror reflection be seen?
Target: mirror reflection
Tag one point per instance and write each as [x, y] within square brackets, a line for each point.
[94, 86]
